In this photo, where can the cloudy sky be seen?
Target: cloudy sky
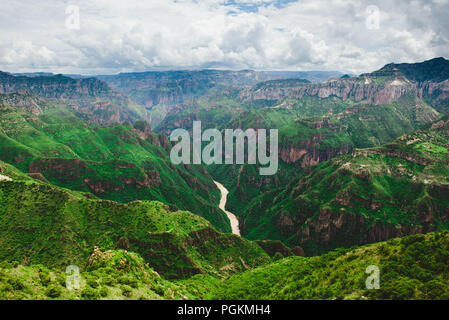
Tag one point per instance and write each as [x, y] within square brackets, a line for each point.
[137, 35]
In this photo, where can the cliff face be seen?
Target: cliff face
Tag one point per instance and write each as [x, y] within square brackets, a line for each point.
[371, 195]
[358, 90]
[24, 100]
[428, 79]
[340, 223]
[162, 92]
[172, 87]
[55, 86]
[310, 155]
[330, 227]
[340, 226]
[77, 171]
[313, 149]
[386, 97]
[91, 97]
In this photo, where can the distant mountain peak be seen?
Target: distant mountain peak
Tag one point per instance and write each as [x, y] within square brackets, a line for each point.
[4, 74]
[436, 70]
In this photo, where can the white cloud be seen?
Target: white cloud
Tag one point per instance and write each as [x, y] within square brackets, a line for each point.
[134, 35]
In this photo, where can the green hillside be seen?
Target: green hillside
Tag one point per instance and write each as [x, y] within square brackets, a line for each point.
[90, 98]
[43, 224]
[111, 275]
[115, 162]
[317, 121]
[413, 267]
[362, 180]
[372, 195]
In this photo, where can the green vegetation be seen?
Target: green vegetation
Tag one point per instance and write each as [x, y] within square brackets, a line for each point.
[90, 98]
[370, 196]
[436, 70]
[115, 162]
[43, 224]
[414, 267]
[84, 181]
[110, 275]
[125, 251]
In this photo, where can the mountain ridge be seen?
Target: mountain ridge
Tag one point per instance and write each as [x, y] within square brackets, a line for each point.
[118, 162]
[90, 96]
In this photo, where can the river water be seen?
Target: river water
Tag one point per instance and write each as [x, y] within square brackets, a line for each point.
[231, 216]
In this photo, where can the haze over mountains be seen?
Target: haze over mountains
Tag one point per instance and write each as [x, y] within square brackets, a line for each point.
[363, 159]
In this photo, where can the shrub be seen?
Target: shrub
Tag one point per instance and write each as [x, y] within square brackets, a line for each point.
[159, 290]
[92, 282]
[412, 239]
[45, 278]
[128, 280]
[104, 291]
[61, 279]
[401, 289]
[89, 293]
[16, 284]
[53, 291]
[126, 291]
[278, 256]
[435, 290]
[109, 281]
[140, 125]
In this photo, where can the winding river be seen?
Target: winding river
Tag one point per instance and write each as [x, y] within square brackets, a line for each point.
[231, 216]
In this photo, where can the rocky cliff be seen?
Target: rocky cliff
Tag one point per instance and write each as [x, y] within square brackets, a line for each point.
[381, 87]
[90, 97]
[372, 195]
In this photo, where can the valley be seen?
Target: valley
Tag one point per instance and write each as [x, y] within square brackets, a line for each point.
[86, 179]
[232, 218]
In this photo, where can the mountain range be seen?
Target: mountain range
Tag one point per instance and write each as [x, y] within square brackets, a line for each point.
[86, 179]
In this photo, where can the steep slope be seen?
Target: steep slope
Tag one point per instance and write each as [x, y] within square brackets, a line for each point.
[372, 195]
[110, 275]
[414, 267]
[117, 162]
[43, 224]
[91, 98]
[162, 92]
[308, 141]
[435, 70]
[318, 121]
[380, 87]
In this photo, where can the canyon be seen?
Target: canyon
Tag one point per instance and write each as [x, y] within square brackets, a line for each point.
[232, 218]
[362, 159]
